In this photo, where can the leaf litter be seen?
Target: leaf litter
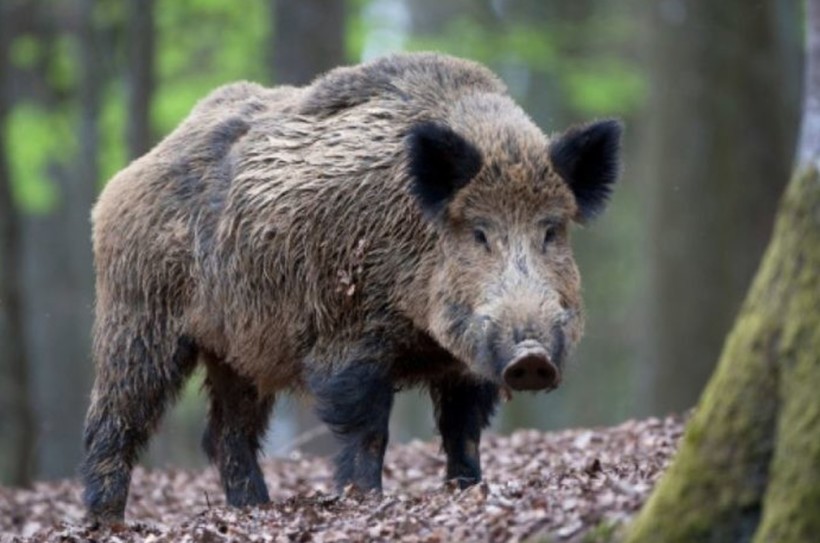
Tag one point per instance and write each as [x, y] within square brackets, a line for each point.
[569, 486]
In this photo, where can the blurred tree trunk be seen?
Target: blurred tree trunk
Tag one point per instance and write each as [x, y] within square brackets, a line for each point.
[718, 144]
[140, 75]
[308, 39]
[749, 464]
[79, 194]
[58, 272]
[90, 92]
[16, 423]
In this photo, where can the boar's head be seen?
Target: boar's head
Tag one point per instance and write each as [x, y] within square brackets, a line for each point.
[505, 289]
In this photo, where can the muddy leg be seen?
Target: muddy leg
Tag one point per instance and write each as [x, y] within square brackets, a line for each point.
[355, 402]
[137, 377]
[463, 409]
[237, 422]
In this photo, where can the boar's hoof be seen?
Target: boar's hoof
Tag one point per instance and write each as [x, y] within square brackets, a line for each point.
[531, 369]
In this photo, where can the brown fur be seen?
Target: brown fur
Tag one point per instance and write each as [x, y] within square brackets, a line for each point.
[273, 233]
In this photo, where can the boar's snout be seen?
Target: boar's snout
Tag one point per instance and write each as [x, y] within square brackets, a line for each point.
[531, 368]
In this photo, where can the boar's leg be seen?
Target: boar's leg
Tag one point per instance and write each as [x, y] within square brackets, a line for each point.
[463, 408]
[355, 403]
[237, 421]
[137, 376]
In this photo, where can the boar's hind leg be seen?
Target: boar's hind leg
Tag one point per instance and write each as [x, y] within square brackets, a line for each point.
[237, 421]
[463, 409]
[137, 376]
[355, 403]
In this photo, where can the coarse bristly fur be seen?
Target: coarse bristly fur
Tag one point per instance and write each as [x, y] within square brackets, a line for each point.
[394, 223]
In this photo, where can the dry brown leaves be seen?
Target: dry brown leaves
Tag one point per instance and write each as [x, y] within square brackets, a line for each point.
[574, 485]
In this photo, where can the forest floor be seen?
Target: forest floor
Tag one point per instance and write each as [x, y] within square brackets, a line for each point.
[569, 486]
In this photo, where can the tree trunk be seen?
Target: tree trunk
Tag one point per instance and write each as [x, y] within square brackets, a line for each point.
[308, 39]
[59, 285]
[722, 118]
[16, 422]
[140, 75]
[749, 464]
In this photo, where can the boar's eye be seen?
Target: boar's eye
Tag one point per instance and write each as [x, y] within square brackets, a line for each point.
[550, 233]
[551, 228]
[481, 238]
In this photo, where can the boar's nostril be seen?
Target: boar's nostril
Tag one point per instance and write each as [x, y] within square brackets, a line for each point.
[531, 369]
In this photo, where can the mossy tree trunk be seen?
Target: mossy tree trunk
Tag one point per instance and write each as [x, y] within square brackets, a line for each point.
[749, 464]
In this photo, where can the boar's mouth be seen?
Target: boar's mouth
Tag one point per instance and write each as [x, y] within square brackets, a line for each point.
[531, 368]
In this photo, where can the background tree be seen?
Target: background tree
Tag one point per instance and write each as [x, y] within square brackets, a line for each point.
[308, 38]
[718, 142]
[16, 422]
[140, 48]
[749, 465]
[58, 286]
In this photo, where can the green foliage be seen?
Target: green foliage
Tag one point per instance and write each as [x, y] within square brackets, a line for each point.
[467, 38]
[594, 84]
[520, 44]
[41, 137]
[25, 51]
[603, 87]
[188, 66]
[38, 139]
[112, 151]
[62, 72]
[357, 30]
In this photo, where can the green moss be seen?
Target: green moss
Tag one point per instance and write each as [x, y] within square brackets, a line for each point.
[605, 532]
[792, 504]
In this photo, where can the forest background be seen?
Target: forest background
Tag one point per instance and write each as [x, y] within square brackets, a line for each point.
[709, 93]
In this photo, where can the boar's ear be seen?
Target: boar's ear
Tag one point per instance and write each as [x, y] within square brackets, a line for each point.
[587, 157]
[440, 162]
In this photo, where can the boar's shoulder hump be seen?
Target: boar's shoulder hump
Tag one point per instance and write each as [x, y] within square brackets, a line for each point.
[403, 77]
[244, 97]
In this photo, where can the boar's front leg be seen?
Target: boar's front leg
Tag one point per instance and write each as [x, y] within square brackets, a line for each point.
[463, 408]
[355, 402]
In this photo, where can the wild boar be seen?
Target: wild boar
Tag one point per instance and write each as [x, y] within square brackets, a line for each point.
[401, 222]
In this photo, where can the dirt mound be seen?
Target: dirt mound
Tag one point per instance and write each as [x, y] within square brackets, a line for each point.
[576, 485]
